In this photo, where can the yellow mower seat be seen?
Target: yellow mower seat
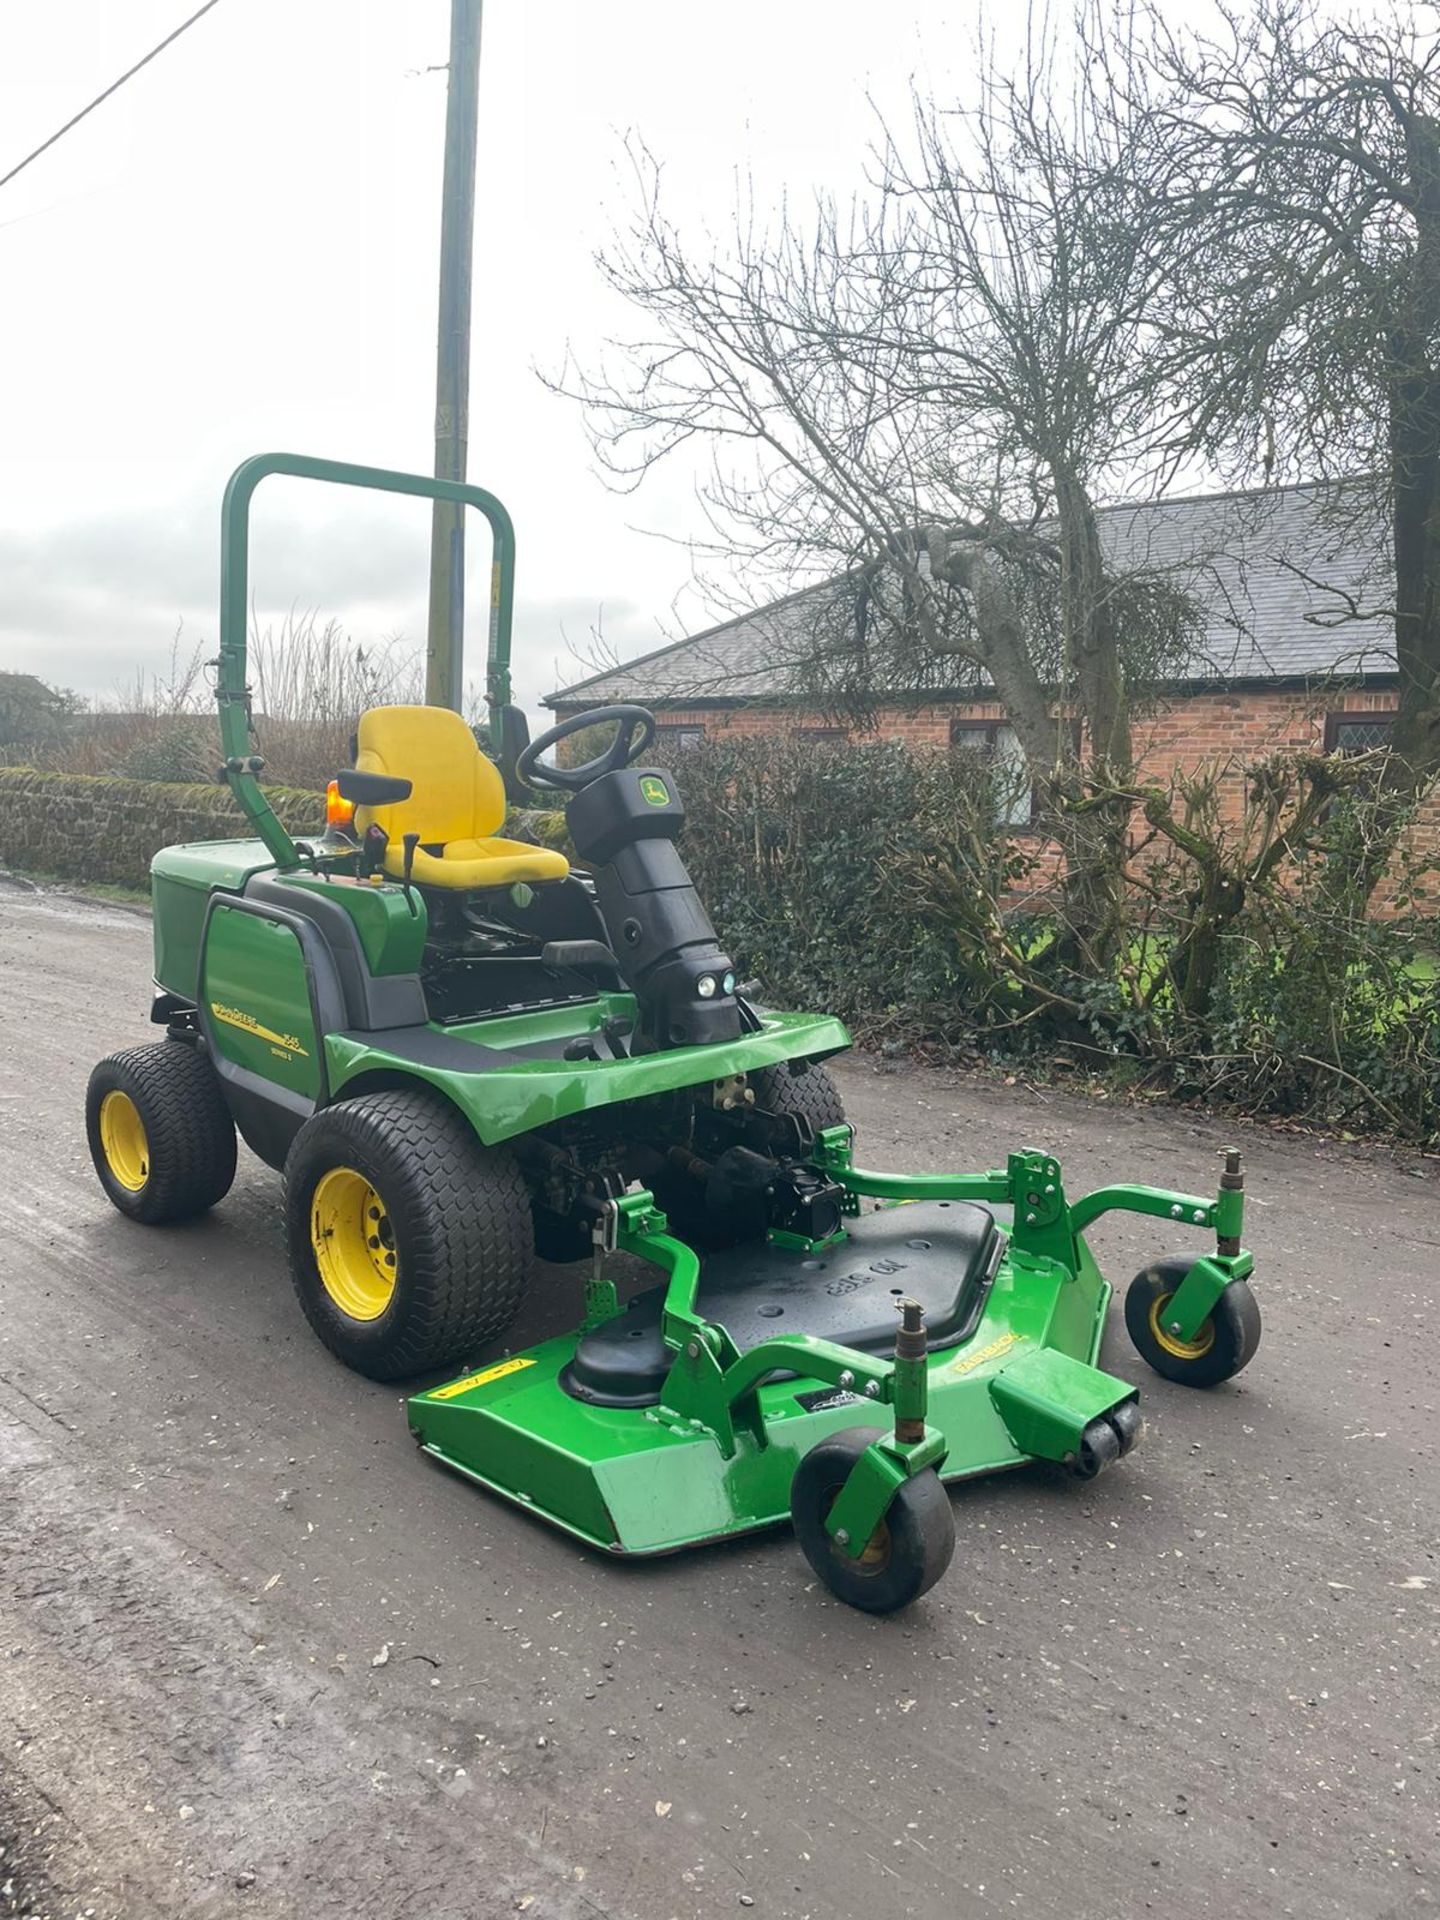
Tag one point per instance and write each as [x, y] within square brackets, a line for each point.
[457, 799]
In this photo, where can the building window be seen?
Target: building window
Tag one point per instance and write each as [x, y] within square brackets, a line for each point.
[1357, 732]
[678, 739]
[996, 745]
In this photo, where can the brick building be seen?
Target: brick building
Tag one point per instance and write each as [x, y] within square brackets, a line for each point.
[1293, 648]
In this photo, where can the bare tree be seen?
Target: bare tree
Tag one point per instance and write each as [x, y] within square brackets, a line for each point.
[1303, 303]
[928, 392]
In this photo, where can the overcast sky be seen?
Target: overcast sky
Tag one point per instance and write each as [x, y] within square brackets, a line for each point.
[238, 252]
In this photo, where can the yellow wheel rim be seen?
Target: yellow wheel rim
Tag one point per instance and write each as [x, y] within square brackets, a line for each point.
[1195, 1349]
[354, 1244]
[123, 1141]
[875, 1556]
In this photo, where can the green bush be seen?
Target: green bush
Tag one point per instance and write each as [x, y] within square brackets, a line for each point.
[1332, 1019]
[184, 752]
[823, 866]
[872, 882]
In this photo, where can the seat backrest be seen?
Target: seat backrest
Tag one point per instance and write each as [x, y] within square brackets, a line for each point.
[456, 794]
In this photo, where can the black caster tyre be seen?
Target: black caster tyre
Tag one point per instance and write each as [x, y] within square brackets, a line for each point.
[1226, 1343]
[810, 1095]
[1099, 1448]
[1129, 1423]
[410, 1242]
[908, 1551]
[159, 1132]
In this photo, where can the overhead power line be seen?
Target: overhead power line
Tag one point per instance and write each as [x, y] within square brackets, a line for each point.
[114, 87]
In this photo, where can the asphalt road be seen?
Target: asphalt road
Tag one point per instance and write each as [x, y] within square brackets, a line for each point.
[259, 1658]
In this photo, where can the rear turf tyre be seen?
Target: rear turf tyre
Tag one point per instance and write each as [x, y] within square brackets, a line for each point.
[810, 1094]
[159, 1132]
[908, 1551]
[1224, 1344]
[410, 1242]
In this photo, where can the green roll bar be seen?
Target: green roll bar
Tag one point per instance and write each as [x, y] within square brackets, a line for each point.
[232, 695]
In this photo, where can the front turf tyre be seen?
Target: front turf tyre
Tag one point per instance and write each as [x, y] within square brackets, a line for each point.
[908, 1551]
[410, 1242]
[811, 1094]
[1225, 1343]
[159, 1132]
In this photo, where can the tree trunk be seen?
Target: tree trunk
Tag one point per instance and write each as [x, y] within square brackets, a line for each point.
[1414, 447]
[1095, 842]
[1091, 835]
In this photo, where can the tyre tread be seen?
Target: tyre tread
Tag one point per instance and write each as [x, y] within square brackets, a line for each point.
[469, 1246]
[810, 1094]
[187, 1125]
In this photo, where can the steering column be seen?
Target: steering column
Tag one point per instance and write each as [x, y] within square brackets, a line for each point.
[624, 821]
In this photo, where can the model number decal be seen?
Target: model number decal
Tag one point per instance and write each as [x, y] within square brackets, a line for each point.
[481, 1379]
[852, 1282]
[996, 1347]
[247, 1023]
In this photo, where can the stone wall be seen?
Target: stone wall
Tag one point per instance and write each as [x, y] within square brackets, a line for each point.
[80, 828]
[107, 830]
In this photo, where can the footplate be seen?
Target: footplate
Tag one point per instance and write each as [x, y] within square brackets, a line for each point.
[944, 1254]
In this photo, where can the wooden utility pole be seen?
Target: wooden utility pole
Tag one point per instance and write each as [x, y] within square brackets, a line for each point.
[443, 658]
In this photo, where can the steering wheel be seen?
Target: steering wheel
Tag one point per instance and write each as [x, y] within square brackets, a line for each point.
[634, 730]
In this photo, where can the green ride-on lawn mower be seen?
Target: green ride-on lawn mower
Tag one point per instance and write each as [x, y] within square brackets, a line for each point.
[462, 1054]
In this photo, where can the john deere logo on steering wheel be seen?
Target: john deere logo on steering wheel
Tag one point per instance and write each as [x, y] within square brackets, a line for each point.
[654, 789]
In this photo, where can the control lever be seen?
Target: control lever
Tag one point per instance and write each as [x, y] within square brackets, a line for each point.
[606, 1044]
[410, 843]
[372, 850]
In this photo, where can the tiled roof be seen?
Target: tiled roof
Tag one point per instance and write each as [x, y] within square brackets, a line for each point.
[1257, 565]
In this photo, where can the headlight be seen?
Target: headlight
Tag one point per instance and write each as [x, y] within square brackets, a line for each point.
[728, 983]
[705, 986]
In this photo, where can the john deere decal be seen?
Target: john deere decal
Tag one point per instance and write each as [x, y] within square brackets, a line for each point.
[247, 1023]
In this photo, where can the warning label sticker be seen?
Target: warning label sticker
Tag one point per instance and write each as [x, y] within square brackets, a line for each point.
[481, 1379]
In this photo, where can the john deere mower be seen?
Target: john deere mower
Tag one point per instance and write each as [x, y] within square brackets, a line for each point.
[460, 1054]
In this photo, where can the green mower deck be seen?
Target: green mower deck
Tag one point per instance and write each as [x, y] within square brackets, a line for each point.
[1010, 1376]
[659, 1483]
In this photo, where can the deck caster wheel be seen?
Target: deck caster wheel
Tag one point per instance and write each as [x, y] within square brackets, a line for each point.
[908, 1551]
[1129, 1423]
[1100, 1447]
[1224, 1344]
